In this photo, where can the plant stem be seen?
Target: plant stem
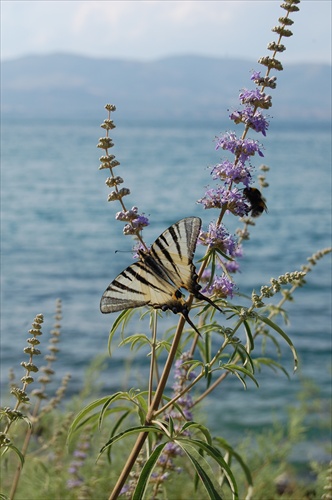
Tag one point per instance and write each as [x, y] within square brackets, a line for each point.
[150, 414]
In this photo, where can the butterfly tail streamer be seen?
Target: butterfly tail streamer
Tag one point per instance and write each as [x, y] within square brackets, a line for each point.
[185, 314]
[200, 296]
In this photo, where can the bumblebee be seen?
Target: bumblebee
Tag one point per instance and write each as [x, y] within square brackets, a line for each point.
[256, 200]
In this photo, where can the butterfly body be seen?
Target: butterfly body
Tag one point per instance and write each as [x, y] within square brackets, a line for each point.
[257, 202]
[157, 278]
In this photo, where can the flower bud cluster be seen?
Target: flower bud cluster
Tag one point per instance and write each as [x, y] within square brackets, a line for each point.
[317, 256]
[32, 350]
[136, 222]
[13, 414]
[294, 278]
[264, 81]
[47, 370]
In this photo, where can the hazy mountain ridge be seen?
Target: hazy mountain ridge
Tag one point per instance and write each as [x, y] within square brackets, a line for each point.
[181, 87]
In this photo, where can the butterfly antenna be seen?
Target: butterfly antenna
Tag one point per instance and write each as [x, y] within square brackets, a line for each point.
[185, 314]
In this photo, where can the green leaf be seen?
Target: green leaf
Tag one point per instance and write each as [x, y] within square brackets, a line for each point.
[267, 335]
[274, 365]
[198, 461]
[170, 426]
[275, 327]
[235, 369]
[238, 457]
[250, 338]
[146, 472]
[193, 366]
[215, 454]
[207, 351]
[82, 415]
[205, 431]
[207, 356]
[240, 350]
[140, 338]
[207, 371]
[115, 428]
[142, 407]
[112, 399]
[130, 431]
[123, 319]
[16, 450]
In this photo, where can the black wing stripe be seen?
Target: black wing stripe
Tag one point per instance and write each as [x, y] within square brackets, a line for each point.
[167, 255]
[120, 286]
[141, 279]
[161, 243]
[176, 238]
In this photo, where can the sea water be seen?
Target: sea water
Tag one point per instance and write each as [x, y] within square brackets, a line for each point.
[59, 239]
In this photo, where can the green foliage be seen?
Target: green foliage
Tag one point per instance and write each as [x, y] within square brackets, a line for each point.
[258, 459]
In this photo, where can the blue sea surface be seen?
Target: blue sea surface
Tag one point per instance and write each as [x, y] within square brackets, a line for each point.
[59, 239]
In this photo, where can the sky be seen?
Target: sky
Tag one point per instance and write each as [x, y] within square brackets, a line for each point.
[150, 30]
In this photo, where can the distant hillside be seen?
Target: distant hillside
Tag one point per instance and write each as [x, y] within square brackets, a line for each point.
[183, 88]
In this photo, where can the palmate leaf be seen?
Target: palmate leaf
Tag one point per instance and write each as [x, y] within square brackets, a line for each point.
[277, 328]
[146, 472]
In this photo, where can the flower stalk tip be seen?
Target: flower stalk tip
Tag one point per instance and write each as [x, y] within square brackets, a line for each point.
[135, 221]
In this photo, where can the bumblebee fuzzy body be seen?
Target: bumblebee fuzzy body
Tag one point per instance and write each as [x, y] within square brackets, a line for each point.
[256, 200]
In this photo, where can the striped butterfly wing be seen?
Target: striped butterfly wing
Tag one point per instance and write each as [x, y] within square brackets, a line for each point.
[155, 279]
[174, 251]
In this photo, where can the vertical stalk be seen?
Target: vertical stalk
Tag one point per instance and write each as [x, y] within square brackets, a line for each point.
[153, 407]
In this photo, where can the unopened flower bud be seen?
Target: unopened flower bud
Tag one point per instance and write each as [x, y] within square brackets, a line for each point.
[110, 107]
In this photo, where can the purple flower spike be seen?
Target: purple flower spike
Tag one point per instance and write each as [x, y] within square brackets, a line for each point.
[229, 173]
[218, 237]
[257, 121]
[256, 98]
[241, 148]
[217, 198]
[221, 287]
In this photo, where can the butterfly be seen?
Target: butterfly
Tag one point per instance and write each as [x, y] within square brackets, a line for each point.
[156, 279]
[257, 202]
